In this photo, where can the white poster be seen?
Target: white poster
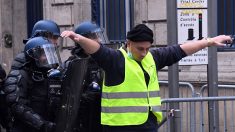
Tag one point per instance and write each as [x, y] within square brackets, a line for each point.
[192, 25]
[191, 3]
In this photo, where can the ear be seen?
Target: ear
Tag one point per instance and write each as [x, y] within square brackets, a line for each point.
[128, 43]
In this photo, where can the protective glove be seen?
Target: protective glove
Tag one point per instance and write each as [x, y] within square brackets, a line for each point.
[48, 126]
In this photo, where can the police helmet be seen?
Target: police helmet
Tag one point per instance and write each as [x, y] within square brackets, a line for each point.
[43, 52]
[93, 31]
[44, 28]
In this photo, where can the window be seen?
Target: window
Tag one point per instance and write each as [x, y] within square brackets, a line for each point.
[115, 16]
[226, 20]
[34, 13]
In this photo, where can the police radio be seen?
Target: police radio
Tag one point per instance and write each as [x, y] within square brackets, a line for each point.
[54, 77]
[54, 89]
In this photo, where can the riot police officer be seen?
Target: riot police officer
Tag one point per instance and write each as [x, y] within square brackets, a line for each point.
[93, 31]
[89, 112]
[2, 109]
[29, 98]
[45, 28]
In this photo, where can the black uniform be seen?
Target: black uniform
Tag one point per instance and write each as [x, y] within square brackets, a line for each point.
[27, 96]
[89, 111]
[2, 98]
[2, 73]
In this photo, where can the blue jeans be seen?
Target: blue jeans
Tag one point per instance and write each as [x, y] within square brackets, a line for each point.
[149, 126]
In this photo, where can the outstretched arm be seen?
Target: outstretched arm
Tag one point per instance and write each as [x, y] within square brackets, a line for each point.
[90, 46]
[194, 46]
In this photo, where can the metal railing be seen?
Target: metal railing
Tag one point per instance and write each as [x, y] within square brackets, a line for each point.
[186, 89]
[200, 114]
[187, 85]
[225, 86]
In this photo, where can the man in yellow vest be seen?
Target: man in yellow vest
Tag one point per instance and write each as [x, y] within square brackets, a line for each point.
[130, 94]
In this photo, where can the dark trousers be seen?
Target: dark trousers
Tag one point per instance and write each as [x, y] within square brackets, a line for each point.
[149, 126]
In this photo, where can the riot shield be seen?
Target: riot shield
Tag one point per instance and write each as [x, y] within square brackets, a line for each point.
[72, 87]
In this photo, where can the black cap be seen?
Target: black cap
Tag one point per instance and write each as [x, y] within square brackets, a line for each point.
[140, 33]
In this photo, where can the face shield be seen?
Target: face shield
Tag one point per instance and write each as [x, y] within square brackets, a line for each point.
[45, 56]
[98, 36]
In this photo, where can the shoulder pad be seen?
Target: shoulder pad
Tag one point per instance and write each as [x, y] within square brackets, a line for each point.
[13, 96]
[20, 57]
[13, 77]
[14, 73]
[19, 61]
[9, 89]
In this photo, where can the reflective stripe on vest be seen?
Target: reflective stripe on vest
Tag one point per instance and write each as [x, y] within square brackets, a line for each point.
[122, 95]
[129, 109]
[129, 102]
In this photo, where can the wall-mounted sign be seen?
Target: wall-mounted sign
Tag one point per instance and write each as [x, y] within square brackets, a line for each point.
[192, 25]
[191, 3]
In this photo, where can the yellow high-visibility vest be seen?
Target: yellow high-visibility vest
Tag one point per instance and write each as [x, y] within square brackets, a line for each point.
[129, 102]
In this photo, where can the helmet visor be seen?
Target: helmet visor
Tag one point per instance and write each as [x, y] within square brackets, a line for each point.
[45, 56]
[98, 36]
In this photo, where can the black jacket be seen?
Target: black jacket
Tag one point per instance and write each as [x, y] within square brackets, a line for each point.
[113, 62]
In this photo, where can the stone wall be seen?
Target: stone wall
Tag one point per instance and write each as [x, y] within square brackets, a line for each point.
[13, 23]
[67, 14]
